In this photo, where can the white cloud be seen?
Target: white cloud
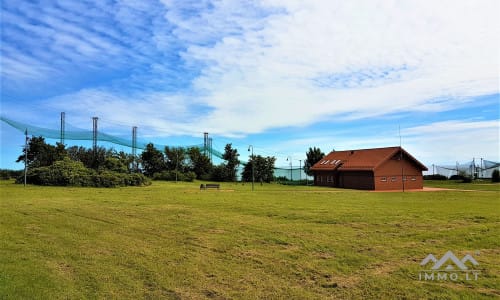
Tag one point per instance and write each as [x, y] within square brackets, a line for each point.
[450, 141]
[263, 64]
[156, 114]
[391, 56]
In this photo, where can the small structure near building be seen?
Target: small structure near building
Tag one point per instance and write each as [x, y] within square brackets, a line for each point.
[390, 168]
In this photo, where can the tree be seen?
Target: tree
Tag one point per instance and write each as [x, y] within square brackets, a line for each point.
[263, 169]
[495, 176]
[199, 163]
[93, 159]
[231, 157]
[175, 159]
[41, 154]
[127, 160]
[219, 173]
[115, 164]
[313, 156]
[153, 160]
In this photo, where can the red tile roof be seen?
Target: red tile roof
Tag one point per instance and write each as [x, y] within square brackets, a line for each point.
[361, 160]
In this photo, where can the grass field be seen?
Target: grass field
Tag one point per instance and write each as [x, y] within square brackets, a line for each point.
[173, 241]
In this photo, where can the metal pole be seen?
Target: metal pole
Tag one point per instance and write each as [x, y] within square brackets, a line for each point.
[300, 171]
[481, 168]
[134, 148]
[289, 158]
[25, 155]
[210, 149]
[94, 134]
[63, 126]
[205, 143]
[253, 165]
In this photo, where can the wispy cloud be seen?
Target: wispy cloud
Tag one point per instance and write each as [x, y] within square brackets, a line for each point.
[70, 37]
[243, 67]
[367, 59]
[447, 141]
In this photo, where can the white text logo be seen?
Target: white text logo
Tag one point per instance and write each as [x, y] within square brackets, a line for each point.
[449, 267]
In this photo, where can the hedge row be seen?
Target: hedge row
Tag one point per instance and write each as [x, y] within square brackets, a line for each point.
[73, 173]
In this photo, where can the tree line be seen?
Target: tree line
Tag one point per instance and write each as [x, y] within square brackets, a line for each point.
[76, 165]
[191, 163]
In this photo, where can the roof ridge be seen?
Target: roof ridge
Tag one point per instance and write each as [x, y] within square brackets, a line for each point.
[363, 158]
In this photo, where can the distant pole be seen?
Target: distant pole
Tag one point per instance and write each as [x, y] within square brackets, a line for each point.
[210, 149]
[176, 163]
[473, 168]
[401, 159]
[205, 143]
[300, 171]
[25, 155]
[253, 178]
[94, 133]
[134, 147]
[289, 158]
[63, 126]
[481, 168]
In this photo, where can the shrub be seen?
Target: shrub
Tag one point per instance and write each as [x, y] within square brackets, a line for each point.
[457, 177]
[67, 172]
[8, 174]
[495, 176]
[467, 179]
[219, 173]
[435, 177]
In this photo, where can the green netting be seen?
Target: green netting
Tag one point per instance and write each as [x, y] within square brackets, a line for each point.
[76, 134]
[83, 135]
[483, 168]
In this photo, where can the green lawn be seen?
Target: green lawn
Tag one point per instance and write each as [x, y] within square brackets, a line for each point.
[479, 185]
[173, 241]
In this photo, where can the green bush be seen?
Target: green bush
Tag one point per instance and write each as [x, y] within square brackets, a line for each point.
[495, 176]
[467, 179]
[435, 177]
[8, 174]
[67, 172]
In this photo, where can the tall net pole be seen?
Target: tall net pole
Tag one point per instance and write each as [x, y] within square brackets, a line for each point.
[63, 126]
[134, 146]
[210, 148]
[25, 155]
[205, 143]
[94, 134]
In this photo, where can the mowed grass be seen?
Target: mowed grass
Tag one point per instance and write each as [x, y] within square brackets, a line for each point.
[173, 241]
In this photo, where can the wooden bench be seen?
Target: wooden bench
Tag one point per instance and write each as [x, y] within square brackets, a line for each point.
[209, 186]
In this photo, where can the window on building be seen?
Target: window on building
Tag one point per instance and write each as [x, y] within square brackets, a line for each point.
[414, 178]
[393, 179]
[383, 179]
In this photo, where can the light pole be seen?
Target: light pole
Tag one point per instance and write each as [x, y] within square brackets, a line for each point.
[300, 171]
[253, 178]
[176, 164]
[289, 158]
[25, 155]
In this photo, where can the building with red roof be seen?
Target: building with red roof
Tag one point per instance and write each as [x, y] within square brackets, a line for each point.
[390, 168]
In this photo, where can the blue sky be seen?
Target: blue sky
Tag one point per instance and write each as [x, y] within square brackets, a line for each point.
[281, 75]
